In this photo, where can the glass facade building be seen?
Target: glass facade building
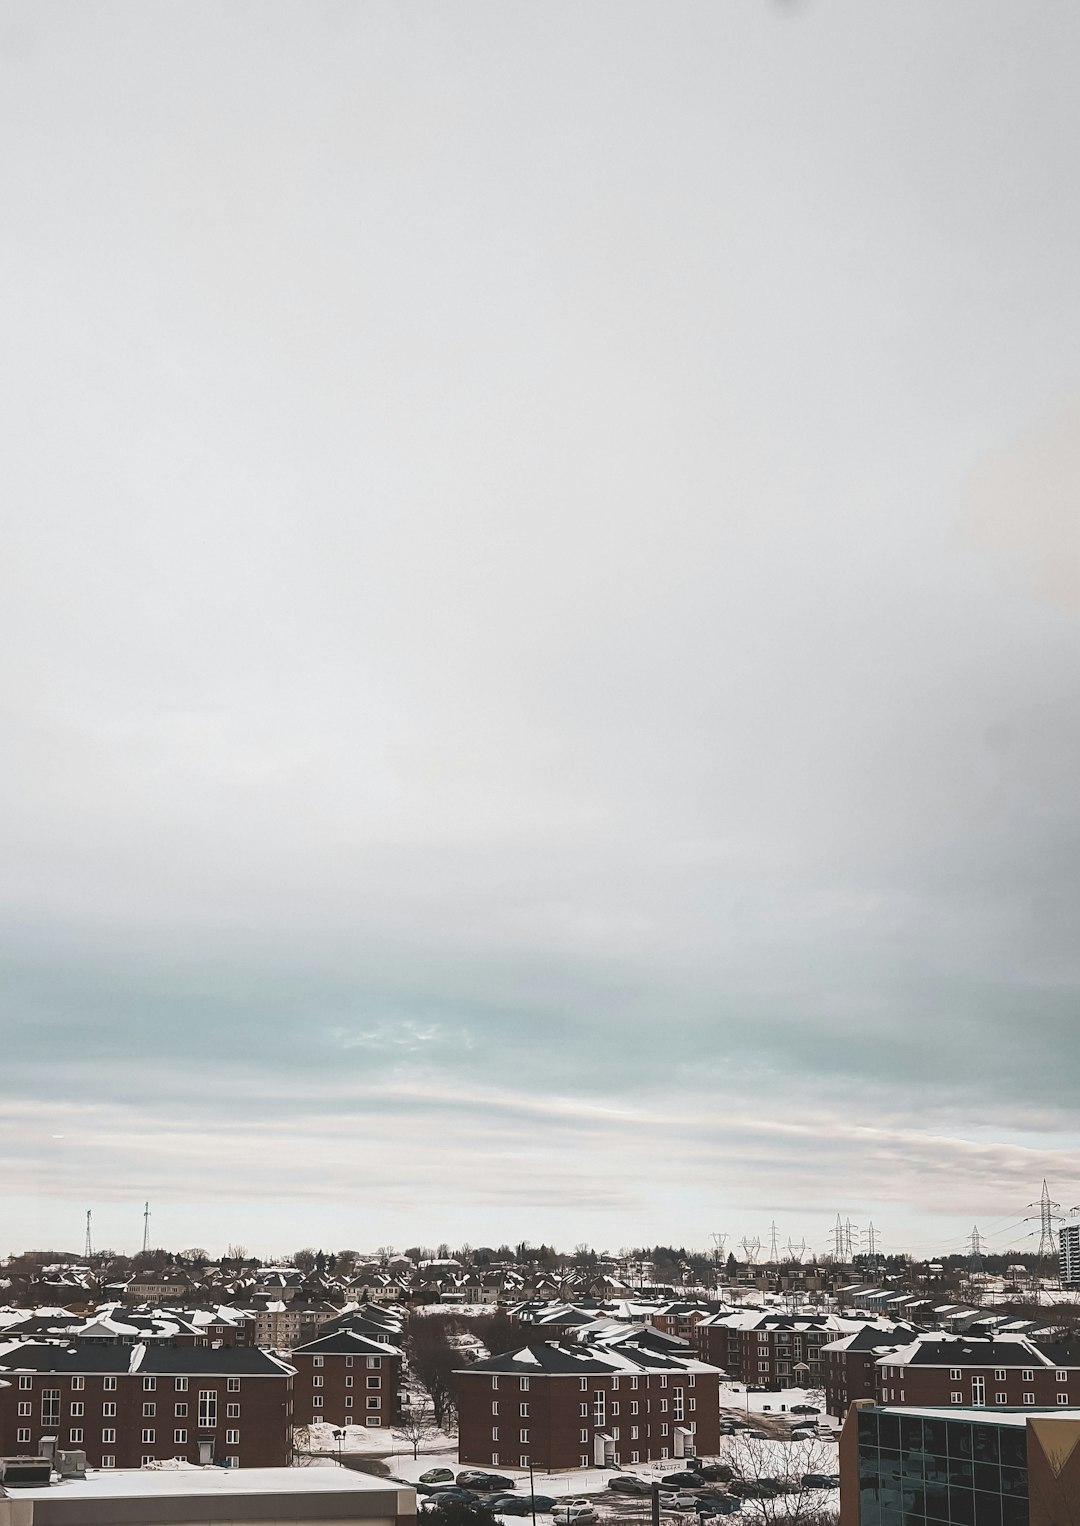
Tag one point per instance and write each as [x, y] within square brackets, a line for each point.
[931, 1469]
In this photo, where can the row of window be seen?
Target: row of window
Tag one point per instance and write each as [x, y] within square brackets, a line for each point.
[523, 1435]
[208, 1408]
[109, 1383]
[373, 1403]
[661, 1379]
[1001, 1374]
[372, 1361]
[371, 1382]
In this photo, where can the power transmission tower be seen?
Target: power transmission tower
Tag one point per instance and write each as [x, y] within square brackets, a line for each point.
[1046, 1217]
[796, 1252]
[719, 1240]
[838, 1239]
[146, 1228]
[872, 1237]
[975, 1249]
[850, 1231]
[774, 1243]
[89, 1248]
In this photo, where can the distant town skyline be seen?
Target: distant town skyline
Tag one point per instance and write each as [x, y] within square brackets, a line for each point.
[540, 620]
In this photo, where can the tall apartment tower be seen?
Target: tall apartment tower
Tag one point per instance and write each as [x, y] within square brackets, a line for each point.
[1069, 1255]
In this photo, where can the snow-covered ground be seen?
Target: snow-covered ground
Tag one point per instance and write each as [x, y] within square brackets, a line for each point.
[375, 1440]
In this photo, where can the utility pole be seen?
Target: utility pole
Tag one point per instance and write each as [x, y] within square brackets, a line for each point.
[146, 1228]
[89, 1248]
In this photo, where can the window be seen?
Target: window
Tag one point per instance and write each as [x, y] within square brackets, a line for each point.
[583, 1436]
[75, 1435]
[109, 1462]
[109, 1408]
[374, 1382]
[234, 1385]
[348, 1382]
[633, 1382]
[374, 1420]
[348, 1402]
[348, 1361]
[524, 1437]
[1061, 1375]
[181, 1411]
[614, 1410]
[77, 1383]
[663, 1406]
[615, 1382]
[149, 1411]
[50, 1406]
[373, 1401]
[523, 1384]
[584, 1460]
[690, 1381]
[1000, 1374]
[1063, 1398]
[1001, 1398]
[77, 1409]
[763, 1367]
[318, 1361]
[25, 1383]
[523, 1409]
[180, 1385]
[494, 1433]
[1029, 1398]
[633, 1433]
[317, 1382]
[494, 1406]
[583, 1383]
[232, 1411]
[663, 1430]
[956, 1373]
[147, 1459]
[232, 1438]
[207, 1408]
[1028, 1374]
[583, 1411]
[108, 1438]
[978, 1390]
[179, 1438]
[955, 1398]
[373, 1361]
[494, 1382]
[149, 1384]
[663, 1380]
[523, 1461]
[633, 1406]
[635, 1457]
[232, 1462]
[26, 1407]
[23, 1434]
[148, 1438]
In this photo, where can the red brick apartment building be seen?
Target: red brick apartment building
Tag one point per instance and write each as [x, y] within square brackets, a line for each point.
[1007, 1371]
[347, 1379]
[561, 1405]
[850, 1369]
[770, 1349]
[127, 1405]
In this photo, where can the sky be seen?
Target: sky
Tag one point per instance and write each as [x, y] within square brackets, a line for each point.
[539, 621]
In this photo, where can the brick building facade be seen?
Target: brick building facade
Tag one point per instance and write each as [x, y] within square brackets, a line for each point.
[562, 1405]
[1006, 1371]
[347, 1379]
[127, 1405]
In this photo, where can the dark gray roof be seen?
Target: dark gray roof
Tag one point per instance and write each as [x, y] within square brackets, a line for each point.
[347, 1343]
[91, 1357]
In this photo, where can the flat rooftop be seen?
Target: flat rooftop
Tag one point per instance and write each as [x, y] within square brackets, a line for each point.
[172, 1483]
[989, 1415]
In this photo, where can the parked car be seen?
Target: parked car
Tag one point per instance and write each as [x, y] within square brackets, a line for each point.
[521, 1504]
[627, 1483]
[574, 1513]
[718, 1504]
[758, 1488]
[435, 1504]
[678, 1501]
[451, 1492]
[821, 1480]
[715, 1472]
[683, 1480]
[732, 1423]
[477, 1478]
[437, 1476]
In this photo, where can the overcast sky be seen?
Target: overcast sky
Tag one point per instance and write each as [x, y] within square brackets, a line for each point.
[539, 620]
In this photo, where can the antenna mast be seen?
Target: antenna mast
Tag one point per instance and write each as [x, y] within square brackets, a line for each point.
[146, 1228]
[89, 1248]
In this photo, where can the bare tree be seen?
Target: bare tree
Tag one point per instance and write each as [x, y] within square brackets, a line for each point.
[433, 1360]
[773, 1474]
[415, 1427]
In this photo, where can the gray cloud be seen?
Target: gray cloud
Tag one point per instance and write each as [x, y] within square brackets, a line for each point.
[537, 609]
